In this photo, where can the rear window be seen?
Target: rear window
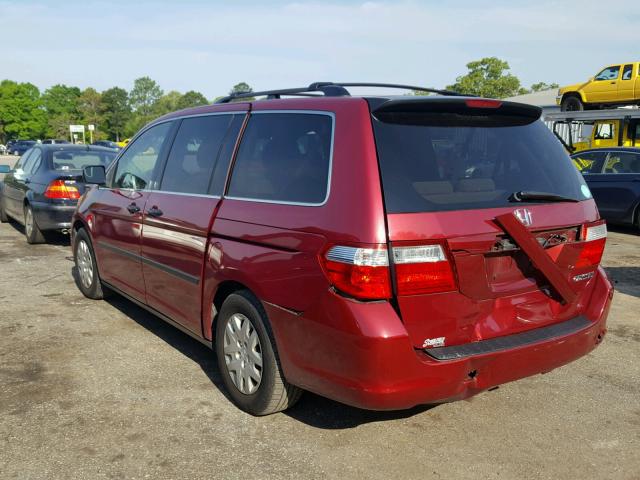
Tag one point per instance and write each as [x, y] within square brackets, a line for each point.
[77, 160]
[430, 168]
[284, 158]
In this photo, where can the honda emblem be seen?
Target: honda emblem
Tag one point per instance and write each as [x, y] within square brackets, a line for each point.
[524, 215]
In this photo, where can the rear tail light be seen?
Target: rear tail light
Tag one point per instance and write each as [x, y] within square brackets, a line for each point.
[423, 269]
[359, 272]
[60, 190]
[364, 272]
[594, 237]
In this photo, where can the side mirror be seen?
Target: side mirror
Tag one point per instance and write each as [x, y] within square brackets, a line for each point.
[94, 174]
[5, 168]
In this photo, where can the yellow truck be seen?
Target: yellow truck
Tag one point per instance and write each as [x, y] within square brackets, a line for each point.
[614, 85]
[579, 131]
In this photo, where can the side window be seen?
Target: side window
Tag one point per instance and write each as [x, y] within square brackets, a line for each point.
[31, 161]
[19, 167]
[589, 162]
[626, 72]
[604, 131]
[34, 161]
[195, 153]
[137, 164]
[284, 157]
[609, 73]
[622, 162]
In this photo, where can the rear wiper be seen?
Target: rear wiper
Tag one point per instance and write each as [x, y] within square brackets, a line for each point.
[523, 196]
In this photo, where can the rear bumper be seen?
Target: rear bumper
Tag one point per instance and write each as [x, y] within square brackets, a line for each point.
[360, 354]
[51, 216]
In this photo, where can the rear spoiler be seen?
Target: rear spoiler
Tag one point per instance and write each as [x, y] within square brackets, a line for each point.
[453, 111]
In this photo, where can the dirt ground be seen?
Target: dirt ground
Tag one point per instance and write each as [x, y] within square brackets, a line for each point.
[93, 390]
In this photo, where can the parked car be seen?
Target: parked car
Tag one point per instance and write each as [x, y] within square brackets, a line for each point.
[42, 190]
[123, 143]
[55, 141]
[380, 251]
[613, 175]
[614, 85]
[107, 144]
[21, 146]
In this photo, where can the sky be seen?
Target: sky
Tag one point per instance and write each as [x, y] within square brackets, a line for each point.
[209, 46]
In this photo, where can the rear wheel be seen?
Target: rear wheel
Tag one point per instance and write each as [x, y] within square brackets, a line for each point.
[248, 359]
[86, 274]
[31, 230]
[571, 104]
[3, 214]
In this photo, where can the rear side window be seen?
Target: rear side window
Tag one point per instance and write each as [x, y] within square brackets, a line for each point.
[622, 162]
[195, 153]
[429, 167]
[284, 157]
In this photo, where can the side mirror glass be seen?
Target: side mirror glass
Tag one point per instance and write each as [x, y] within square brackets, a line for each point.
[5, 168]
[94, 174]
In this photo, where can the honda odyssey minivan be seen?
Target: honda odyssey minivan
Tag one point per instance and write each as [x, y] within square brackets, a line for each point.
[381, 251]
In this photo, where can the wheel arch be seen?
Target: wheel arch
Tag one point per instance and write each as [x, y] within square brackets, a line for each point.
[223, 290]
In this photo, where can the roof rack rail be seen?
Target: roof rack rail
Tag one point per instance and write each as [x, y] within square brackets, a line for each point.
[328, 89]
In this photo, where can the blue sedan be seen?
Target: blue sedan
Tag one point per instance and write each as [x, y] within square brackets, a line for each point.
[613, 175]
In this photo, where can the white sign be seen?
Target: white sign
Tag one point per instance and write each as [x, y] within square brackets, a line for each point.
[91, 128]
[76, 128]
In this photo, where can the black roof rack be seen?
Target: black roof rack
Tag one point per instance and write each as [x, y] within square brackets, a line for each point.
[328, 89]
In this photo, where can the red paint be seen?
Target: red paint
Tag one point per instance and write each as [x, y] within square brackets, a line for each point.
[362, 353]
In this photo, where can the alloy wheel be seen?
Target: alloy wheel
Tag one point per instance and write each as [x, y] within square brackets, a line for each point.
[84, 264]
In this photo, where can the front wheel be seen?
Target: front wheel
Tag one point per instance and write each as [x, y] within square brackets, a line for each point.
[571, 104]
[248, 359]
[86, 270]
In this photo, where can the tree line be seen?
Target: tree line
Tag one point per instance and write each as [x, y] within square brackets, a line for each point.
[27, 113]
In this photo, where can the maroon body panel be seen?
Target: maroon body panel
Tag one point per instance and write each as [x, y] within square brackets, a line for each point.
[173, 248]
[117, 236]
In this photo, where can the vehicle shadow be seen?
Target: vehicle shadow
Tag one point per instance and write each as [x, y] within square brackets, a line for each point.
[623, 229]
[625, 279]
[52, 238]
[312, 410]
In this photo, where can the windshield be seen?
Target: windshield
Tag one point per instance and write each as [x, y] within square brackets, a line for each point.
[429, 168]
[77, 160]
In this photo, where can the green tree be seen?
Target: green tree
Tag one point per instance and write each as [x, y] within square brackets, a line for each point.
[143, 99]
[242, 87]
[61, 103]
[192, 99]
[488, 77]
[144, 95]
[90, 108]
[21, 113]
[116, 112]
[541, 86]
[169, 102]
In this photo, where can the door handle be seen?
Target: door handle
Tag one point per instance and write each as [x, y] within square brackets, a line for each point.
[155, 212]
[133, 208]
[613, 83]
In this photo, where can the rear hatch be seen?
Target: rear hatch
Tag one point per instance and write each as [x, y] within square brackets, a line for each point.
[492, 230]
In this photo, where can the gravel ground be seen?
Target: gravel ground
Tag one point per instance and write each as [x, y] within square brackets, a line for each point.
[93, 390]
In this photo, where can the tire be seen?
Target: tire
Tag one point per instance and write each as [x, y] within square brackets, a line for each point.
[571, 103]
[266, 391]
[3, 214]
[31, 230]
[86, 273]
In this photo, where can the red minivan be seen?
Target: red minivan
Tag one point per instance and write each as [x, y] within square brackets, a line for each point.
[382, 251]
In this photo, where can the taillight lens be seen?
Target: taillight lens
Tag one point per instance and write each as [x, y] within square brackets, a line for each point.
[359, 272]
[483, 103]
[594, 237]
[422, 269]
[60, 190]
